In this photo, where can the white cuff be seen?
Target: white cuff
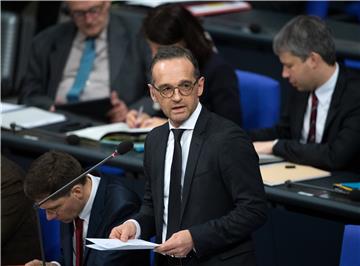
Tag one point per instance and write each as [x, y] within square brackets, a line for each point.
[138, 228]
[56, 263]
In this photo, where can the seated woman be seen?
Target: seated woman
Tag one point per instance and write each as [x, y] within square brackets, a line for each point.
[172, 24]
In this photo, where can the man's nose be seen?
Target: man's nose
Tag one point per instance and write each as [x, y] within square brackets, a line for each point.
[285, 73]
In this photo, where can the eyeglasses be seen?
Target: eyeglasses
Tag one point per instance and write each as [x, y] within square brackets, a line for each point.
[92, 11]
[185, 88]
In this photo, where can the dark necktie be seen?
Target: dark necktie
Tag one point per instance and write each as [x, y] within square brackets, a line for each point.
[174, 206]
[83, 73]
[79, 240]
[312, 126]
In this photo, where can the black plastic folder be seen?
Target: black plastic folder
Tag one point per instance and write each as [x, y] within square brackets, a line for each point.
[96, 109]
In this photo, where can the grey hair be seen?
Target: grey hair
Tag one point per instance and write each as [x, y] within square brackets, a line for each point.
[172, 52]
[303, 35]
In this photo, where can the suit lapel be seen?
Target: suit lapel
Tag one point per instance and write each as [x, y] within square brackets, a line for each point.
[67, 232]
[161, 146]
[58, 58]
[96, 215]
[117, 45]
[335, 100]
[194, 152]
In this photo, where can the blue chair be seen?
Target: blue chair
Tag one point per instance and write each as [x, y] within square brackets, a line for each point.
[51, 237]
[350, 251]
[259, 98]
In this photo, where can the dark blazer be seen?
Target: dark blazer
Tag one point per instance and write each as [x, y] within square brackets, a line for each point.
[221, 93]
[223, 195]
[19, 235]
[340, 146]
[50, 51]
[113, 204]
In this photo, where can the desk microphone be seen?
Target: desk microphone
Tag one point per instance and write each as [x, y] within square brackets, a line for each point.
[69, 139]
[122, 148]
[353, 195]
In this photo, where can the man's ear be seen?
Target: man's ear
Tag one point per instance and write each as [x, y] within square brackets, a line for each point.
[201, 84]
[77, 191]
[152, 93]
[314, 60]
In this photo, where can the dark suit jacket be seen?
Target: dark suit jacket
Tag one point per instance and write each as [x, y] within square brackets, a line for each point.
[221, 93]
[113, 204]
[223, 195]
[340, 145]
[50, 51]
[19, 235]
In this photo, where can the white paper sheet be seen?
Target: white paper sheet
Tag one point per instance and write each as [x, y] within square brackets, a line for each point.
[97, 132]
[30, 117]
[116, 244]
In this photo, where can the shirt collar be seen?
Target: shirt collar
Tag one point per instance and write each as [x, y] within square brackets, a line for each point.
[329, 86]
[86, 211]
[191, 121]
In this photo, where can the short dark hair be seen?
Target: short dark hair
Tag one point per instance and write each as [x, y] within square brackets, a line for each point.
[171, 23]
[172, 52]
[49, 172]
[303, 35]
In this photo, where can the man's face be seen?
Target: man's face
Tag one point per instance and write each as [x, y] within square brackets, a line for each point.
[90, 16]
[299, 73]
[172, 73]
[65, 208]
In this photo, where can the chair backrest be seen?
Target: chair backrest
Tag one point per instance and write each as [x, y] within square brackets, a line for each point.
[9, 40]
[50, 231]
[259, 98]
[350, 251]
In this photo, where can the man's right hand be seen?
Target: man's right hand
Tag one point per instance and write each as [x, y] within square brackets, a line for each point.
[134, 121]
[124, 231]
[39, 263]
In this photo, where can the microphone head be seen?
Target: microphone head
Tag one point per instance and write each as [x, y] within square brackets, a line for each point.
[72, 139]
[124, 147]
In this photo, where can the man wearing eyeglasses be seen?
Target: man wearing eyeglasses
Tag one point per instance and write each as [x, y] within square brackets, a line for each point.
[204, 196]
[96, 55]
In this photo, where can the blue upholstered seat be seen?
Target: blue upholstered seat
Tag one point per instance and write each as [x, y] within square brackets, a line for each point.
[260, 99]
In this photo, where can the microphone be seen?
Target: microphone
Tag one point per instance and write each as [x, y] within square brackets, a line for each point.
[352, 195]
[69, 139]
[121, 149]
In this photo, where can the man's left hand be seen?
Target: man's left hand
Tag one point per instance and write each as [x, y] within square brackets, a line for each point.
[119, 109]
[178, 245]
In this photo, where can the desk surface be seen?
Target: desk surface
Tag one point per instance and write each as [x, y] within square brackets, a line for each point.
[336, 206]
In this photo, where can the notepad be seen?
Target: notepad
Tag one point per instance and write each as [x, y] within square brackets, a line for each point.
[278, 173]
[30, 117]
[116, 244]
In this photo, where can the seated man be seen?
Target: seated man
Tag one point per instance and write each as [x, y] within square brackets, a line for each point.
[96, 55]
[321, 126]
[92, 205]
[19, 238]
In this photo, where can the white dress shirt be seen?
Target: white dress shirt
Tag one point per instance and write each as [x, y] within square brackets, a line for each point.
[85, 213]
[324, 94]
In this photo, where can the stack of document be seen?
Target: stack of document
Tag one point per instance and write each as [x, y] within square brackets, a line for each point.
[116, 244]
[29, 117]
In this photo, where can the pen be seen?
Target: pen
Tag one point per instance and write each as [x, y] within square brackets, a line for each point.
[138, 115]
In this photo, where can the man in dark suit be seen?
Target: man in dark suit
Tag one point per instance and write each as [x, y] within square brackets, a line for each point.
[118, 69]
[90, 208]
[321, 125]
[204, 196]
[19, 240]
